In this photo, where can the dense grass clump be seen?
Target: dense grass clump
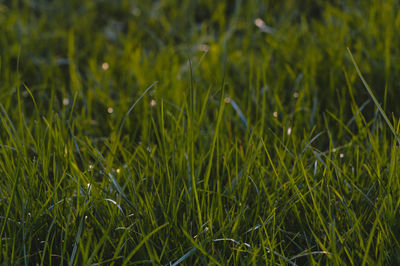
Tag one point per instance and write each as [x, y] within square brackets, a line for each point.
[208, 132]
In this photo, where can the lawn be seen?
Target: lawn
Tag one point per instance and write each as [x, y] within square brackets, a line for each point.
[203, 132]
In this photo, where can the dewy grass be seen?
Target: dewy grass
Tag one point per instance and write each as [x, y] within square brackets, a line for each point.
[143, 132]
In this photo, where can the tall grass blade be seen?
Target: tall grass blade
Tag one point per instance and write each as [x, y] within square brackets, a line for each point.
[373, 97]
[133, 106]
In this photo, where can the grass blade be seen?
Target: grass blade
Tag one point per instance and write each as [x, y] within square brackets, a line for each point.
[133, 106]
[133, 252]
[184, 257]
[373, 96]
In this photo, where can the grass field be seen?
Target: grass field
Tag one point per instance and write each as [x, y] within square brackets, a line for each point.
[199, 132]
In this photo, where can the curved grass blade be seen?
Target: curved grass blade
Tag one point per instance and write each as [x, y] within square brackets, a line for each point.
[184, 257]
[136, 249]
[133, 106]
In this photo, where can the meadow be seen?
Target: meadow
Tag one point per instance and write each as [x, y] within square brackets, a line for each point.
[205, 132]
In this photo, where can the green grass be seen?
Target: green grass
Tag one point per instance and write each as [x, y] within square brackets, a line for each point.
[180, 132]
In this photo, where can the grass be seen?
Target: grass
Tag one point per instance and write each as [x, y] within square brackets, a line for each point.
[204, 132]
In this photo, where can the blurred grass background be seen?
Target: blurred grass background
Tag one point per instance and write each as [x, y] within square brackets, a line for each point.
[260, 89]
